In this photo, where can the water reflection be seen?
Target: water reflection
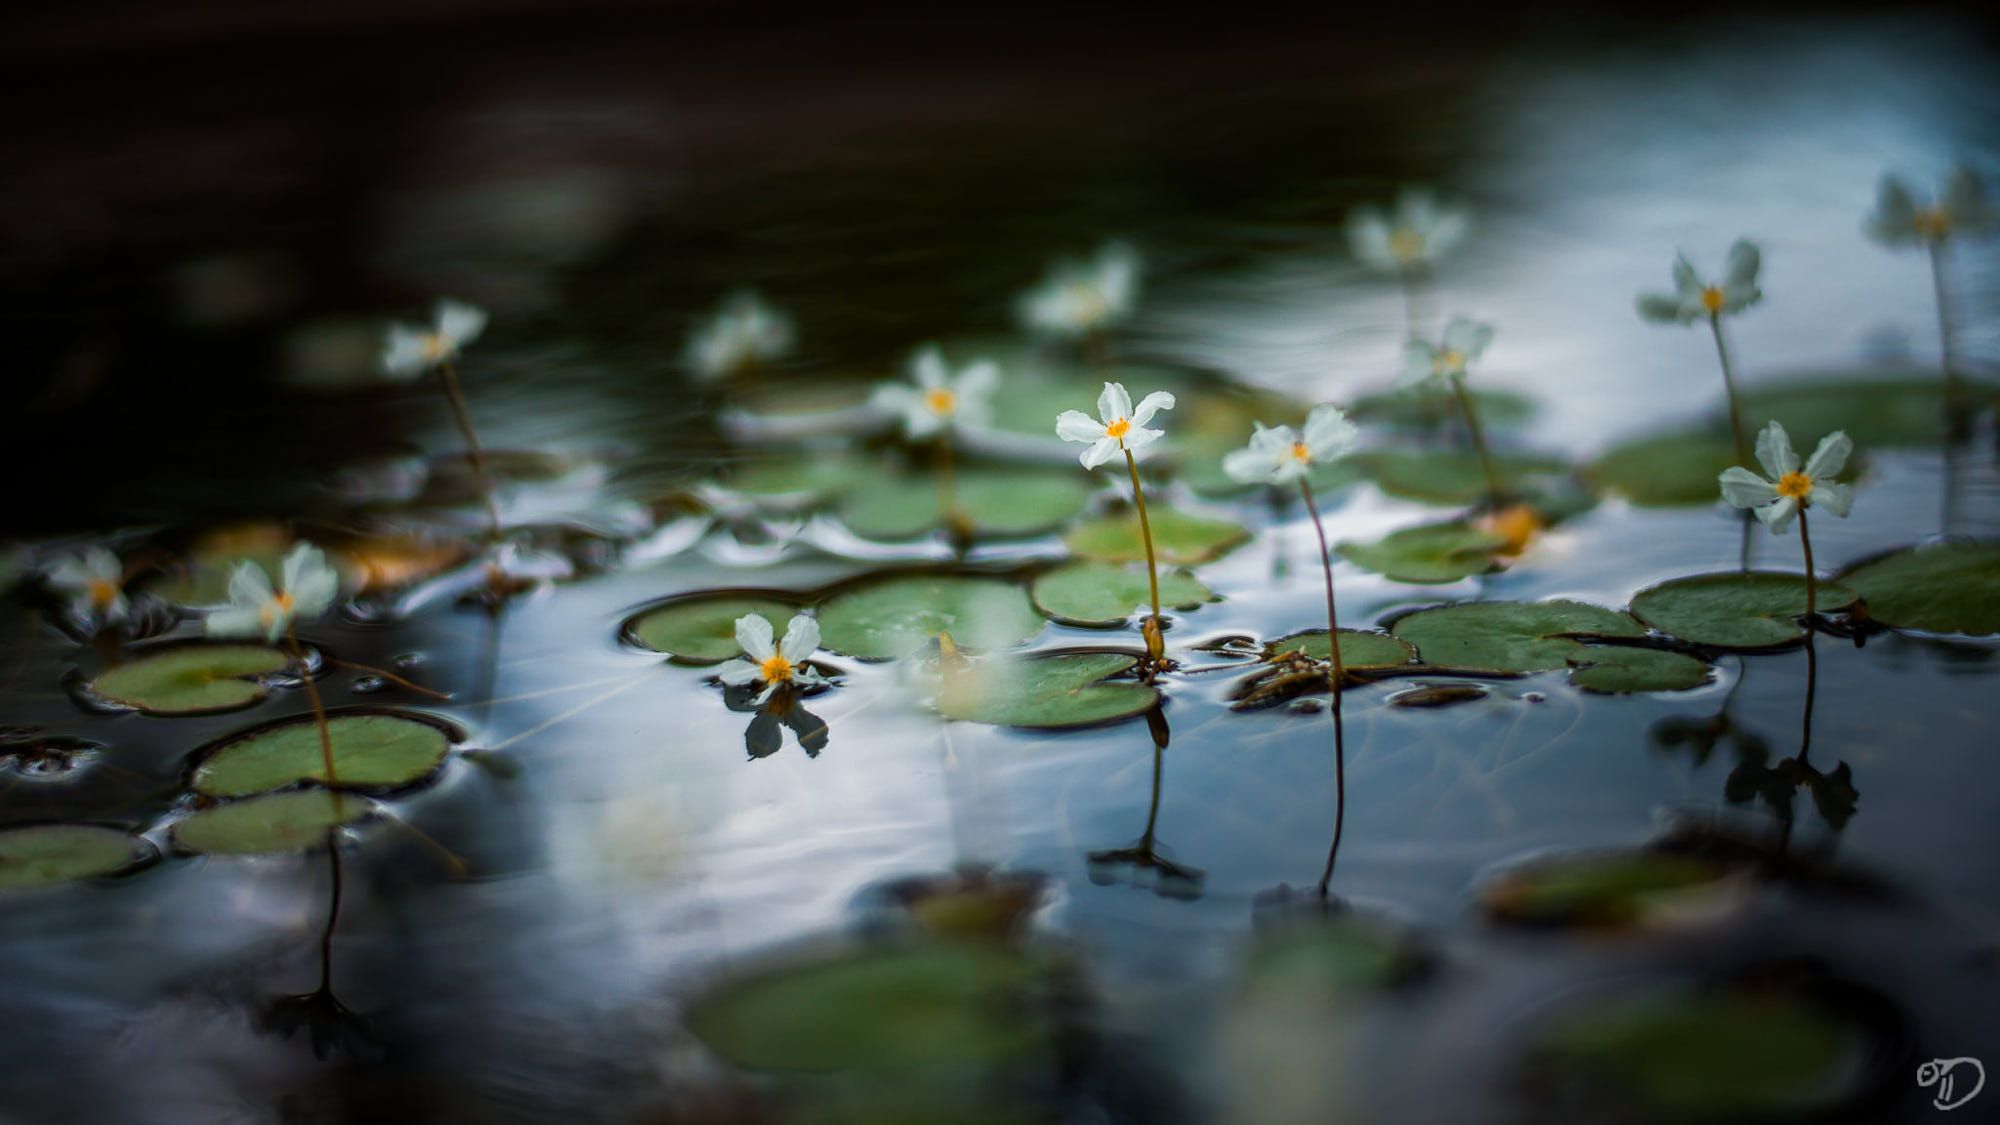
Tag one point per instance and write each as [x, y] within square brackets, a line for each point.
[329, 1024]
[1143, 862]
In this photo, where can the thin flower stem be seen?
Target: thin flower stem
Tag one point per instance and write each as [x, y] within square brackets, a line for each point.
[1493, 491]
[1946, 356]
[456, 396]
[948, 487]
[391, 677]
[1729, 388]
[1411, 317]
[1155, 644]
[1334, 677]
[318, 708]
[1812, 578]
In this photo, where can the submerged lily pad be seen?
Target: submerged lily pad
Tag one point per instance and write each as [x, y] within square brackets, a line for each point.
[1432, 553]
[1665, 470]
[1616, 669]
[1450, 476]
[369, 752]
[702, 629]
[1607, 889]
[1360, 650]
[44, 855]
[1949, 587]
[1096, 593]
[899, 1008]
[1179, 538]
[1046, 691]
[1757, 609]
[993, 502]
[190, 679]
[1875, 412]
[1510, 638]
[892, 617]
[275, 822]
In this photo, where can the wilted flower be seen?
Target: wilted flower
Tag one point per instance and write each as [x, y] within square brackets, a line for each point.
[1694, 299]
[1464, 340]
[1280, 455]
[94, 581]
[744, 333]
[773, 665]
[306, 588]
[1789, 488]
[1118, 426]
[940, 400]
[1418, 231]
[410, 350]
[1961, 210]
[1077, 298]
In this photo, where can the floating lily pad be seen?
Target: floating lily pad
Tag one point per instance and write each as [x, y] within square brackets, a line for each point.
[702, 629]
[796, 480]
[1757, 609]
[993, 502]
[1949, 587]
[1427, 406]
[1665, 470]
[192, 679]
[1875, 412]
[892, 617]
[1179, 538]
[1510, 638]
[1450, 476]
[1701, 1056]
[1360, 650]
[369, 752]
[900, 1009]
[1096, 593]
[1616, 669]
[1607, 889]
[275, 822]
[43, 855]
[1046, 691]
[1432, 553]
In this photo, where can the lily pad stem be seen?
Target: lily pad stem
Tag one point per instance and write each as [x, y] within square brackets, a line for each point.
[1493, 490]
[1334, 676]
[1729, 389]
[456, 396]
[1156, 645]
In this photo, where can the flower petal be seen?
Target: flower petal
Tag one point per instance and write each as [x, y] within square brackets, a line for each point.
[1139, 436]
[460, 323]
[1100, 451]
[1150, 405]
[1964, 202]
[1778, 516]
[1468, 337]
[1742, 488]
[1368, 237]
[977, 383]
[753, 636]
[1774, 450]
[236, 621]
[1329, 433]
[801, 639]
[1249, 466]
[1687, 283]
[1659, 308]
[1075, 425]
[1419, 360]
[1740, 268]
[1894, 220]
[927, 367]
[404, 354]
[1113, 403]
[249, 586]
[1830, 456]
[1834, 497]
[739, 672]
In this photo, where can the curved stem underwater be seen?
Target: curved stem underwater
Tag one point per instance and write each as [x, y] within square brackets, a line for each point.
[473, 450]
[1156, 645]
[1335, 674]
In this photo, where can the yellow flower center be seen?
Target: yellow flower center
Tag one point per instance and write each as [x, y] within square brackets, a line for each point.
[1406, 244]
[1448, 361]
[1118, 429]
[281, 602]
[1795, 485]
[1932, 223]
[1711, 298]
[775, 669]
[1090, 305]
[435, 347]
[939, 400]
[103, 592]
[1300, 453]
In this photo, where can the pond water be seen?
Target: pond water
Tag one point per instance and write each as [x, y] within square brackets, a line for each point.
[615, 901]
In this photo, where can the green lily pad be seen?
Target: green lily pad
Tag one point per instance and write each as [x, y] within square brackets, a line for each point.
[795, 480]
[901, 1008]
[1510, 638]
[701, 629]
[1048, 691]
[190, 679]
[44, 855]
[1600, 890]
[994, 502]
[1179, 539]
[1666, 470]
[270, 824]
[1095, 593]
[1430, 554]
[369, 752]
[1314, 961]
[892, 617]
[1423, 407]
[1618, 669]
[1360, 650]
[1702, 1056]
[1949, 587]
[1876, 412]
[1757, 609]
[1450, 476]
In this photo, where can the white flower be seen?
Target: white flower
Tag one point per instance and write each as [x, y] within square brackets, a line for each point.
[1961, 209]
[1419, 231]
[1116, 427]
[1464, 340]
[1777, 499]
[1278, 455]
[1694, 299]
[940, 399]
[744, 333]
[410, 350]
[1077, 298]
[307, 587]
[774, 665]
[94, 581]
